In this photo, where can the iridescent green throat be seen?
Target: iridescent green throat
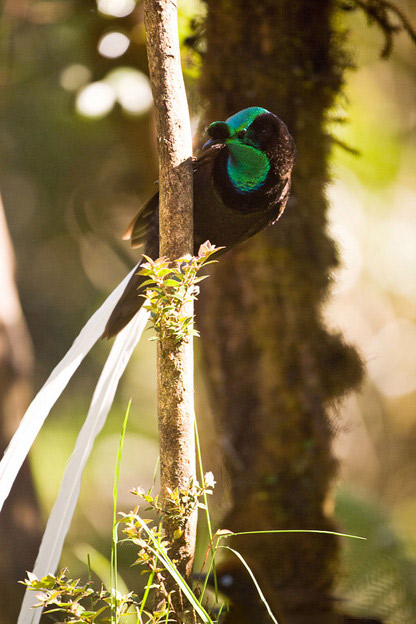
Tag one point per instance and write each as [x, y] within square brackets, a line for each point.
[247, 166]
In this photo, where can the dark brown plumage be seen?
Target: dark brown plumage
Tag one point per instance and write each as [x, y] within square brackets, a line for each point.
[241, 185]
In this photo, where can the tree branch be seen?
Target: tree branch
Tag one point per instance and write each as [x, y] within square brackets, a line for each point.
[175, 363]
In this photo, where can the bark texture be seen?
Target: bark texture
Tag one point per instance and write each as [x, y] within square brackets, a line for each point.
[175, 363]
[273, 366]
[20, 525]
[173, 129]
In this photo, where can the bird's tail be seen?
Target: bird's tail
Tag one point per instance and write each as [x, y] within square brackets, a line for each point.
[39, 409]
[62, 512]
[127, 306]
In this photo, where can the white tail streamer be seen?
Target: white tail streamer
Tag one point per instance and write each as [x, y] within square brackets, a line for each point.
[62, 512]
[41, 405]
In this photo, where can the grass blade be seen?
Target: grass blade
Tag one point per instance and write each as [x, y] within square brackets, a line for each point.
[162, 555]
[114, 540]
[253, 578]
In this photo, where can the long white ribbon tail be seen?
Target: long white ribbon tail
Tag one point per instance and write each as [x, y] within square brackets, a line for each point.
[41, 405]
[62, 512]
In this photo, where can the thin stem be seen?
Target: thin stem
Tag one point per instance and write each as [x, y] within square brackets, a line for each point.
[114, 541]
[209, 526]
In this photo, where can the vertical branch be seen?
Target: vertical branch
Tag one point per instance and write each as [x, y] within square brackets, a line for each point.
[175, 363]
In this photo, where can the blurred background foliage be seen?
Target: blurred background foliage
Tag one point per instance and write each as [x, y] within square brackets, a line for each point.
[77, 157]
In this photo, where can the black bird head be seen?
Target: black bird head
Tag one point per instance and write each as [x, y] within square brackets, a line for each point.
[237, 126]
[255, 139]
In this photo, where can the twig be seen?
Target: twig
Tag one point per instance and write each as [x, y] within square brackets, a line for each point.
[383, 13]
[175, 363]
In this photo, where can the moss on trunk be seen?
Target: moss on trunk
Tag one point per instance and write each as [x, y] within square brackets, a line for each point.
[274, 367]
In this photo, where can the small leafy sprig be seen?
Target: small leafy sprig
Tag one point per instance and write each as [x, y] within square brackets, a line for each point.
[81, 604]
[170, 287]
[150, 541]
[180, 503]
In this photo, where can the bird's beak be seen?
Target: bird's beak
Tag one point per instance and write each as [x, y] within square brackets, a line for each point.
[219, 133]
[212, 142]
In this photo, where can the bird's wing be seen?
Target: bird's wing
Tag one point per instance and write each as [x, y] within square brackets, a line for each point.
[138, 229]
[282, 201]
[145, 219]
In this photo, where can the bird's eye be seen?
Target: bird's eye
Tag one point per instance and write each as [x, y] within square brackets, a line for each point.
[241, 134]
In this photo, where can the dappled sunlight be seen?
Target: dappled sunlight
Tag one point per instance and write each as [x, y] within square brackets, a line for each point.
[378, 263]
[129, 87]
[74, 77]
[95, 100]
[116, 8]
[349, 246]
[113, 44]
[391, 252]
[373, 220]
[132, 89]
[392, 358]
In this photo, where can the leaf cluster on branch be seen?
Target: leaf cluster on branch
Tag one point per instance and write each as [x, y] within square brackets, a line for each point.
[179, 503]
[79, 603]
[170, 287]
[76, 602]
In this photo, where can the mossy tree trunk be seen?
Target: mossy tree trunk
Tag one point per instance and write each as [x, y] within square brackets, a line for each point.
[274, 368]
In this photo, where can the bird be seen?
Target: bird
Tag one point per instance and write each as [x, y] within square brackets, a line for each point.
[241, 184]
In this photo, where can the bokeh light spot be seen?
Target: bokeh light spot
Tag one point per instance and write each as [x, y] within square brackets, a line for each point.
[95, 100]
[132, 89]
[116, 8]
[113, 44]
[74, 77]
